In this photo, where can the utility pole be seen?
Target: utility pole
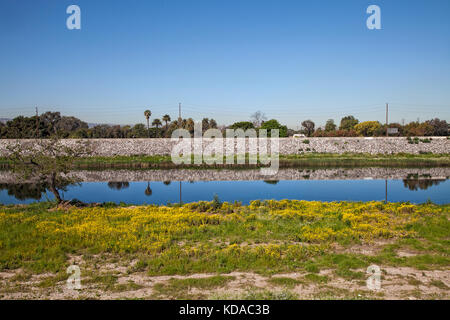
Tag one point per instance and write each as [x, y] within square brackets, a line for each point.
[387, 110]
[37, 123]
[179, 115]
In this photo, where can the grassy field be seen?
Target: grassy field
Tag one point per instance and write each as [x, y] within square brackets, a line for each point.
[267, 250]
[295, 160]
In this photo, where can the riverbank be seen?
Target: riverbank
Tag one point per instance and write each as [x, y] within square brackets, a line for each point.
[267, 250]
[286, 146]
[317, 173]
[311, 160]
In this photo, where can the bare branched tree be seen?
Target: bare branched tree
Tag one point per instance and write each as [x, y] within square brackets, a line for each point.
[47, 161]
[258, 118]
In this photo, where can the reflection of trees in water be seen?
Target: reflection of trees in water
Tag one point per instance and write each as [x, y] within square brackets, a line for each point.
[422, 184]
[25, 191]
[148, 191]
[118, 185]
[47, 161]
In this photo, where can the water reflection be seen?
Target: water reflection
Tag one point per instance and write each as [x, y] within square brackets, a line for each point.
[24, 191]
[118, 185]
[422, 184]
[415, 190]
[148, 191]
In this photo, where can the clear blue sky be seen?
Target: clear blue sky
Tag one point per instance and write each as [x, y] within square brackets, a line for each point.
[293, 60]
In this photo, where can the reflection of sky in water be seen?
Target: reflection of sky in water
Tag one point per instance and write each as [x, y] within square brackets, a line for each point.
[323, 190]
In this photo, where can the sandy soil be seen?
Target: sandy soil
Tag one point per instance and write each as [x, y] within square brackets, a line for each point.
[396, 283]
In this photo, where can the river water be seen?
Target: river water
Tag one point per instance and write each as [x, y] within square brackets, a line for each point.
[412, 188]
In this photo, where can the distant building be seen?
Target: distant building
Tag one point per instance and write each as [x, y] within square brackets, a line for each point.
[392, 130]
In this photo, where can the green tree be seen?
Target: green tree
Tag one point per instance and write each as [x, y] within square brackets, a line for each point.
[212, 124]
[348, 123]
[244, 125]
[157, 123]
[139, 131]
[274, 124]
[81, 134]
[205, 124]
[330, 126]
[440, 127]
[50, 121]
[189, 125]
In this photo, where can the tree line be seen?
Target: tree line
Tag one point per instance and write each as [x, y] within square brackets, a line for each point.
[51, 124]
[349, 126]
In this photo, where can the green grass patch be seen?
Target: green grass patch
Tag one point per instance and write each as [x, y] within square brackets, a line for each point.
[309, 160]
[256, 294]
[179, 288]
[313, 277]
[284, 282]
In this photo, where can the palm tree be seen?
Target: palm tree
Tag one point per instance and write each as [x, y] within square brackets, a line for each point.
[166, 119]
[147, 114]
[156, 123]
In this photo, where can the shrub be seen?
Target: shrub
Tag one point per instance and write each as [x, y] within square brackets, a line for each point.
[413, 141]
[216, 204]
[367, 128]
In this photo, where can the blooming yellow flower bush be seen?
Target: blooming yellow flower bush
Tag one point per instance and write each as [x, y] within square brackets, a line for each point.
[202, 236]
[127, 229]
